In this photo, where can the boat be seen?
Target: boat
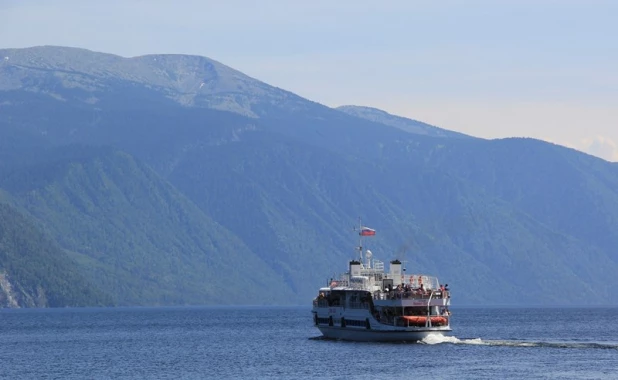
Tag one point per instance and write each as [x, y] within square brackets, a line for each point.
[366, 303]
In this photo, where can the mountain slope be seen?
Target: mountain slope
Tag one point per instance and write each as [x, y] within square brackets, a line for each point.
[567, 190]
[35, 272]
[133, 234]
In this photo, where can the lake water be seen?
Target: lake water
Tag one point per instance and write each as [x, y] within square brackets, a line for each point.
[273, 343]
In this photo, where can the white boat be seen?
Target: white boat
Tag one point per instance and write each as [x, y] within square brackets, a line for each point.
[369, 304]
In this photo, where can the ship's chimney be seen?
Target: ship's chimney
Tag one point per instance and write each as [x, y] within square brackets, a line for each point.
[355, 268]
[395, 273]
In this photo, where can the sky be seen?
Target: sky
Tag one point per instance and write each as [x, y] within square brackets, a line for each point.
[546, 69]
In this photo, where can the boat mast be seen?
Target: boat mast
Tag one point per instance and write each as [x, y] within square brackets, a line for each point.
[360, 240]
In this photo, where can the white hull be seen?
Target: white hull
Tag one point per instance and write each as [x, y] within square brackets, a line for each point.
[364, 335]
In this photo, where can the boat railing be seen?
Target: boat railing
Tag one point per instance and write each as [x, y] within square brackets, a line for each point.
[394, 294]
[339, 283]
[416, 280]
[378, 265]
[357, 286]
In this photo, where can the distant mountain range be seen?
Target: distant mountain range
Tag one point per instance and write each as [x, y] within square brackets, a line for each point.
[172, 180]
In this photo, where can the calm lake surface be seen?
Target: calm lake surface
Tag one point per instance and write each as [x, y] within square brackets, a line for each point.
[281, 343]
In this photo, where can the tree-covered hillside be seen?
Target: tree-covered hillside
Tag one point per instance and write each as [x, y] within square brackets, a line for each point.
[134, 234]
[35, 272]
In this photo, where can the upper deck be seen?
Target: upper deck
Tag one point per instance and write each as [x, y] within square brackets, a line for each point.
[373, 277]
[385, 288]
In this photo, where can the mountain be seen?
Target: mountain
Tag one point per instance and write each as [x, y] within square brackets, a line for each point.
[134, 234]
[245, 193]
[70, 74]
[408, 125]
[35, 272]
[561, 188]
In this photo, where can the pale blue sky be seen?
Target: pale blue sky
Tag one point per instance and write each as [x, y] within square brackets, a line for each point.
[545, 69]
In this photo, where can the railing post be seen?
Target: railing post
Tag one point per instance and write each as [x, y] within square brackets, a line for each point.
[428, 324]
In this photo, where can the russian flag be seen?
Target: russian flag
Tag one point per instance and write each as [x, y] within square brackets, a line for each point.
[366, 231]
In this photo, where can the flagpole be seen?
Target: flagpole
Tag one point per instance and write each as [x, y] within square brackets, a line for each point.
[360, 239]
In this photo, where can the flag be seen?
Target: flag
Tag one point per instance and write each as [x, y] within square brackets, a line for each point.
[366, 231]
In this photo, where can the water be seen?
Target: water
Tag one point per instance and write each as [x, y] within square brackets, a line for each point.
[257, 342]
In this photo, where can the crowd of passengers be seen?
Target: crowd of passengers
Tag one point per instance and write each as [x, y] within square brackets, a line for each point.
[406, 291]
[401, 291]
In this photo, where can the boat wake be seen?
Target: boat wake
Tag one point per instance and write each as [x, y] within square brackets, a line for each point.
[437, 339]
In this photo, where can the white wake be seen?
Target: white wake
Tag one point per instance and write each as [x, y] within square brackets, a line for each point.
[438, 339]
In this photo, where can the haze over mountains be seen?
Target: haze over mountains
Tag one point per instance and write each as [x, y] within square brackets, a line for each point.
[171, 179]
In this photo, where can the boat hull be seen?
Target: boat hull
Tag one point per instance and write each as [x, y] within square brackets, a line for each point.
[364, 335]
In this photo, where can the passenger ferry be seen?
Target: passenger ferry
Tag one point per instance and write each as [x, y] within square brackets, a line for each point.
[369, 304]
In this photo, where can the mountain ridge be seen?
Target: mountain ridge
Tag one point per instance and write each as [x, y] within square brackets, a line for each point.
[190, 80]
[406, 124]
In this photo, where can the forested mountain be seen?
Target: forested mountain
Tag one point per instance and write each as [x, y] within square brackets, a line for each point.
[133, 233]
[175, 180]
[35, 272]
